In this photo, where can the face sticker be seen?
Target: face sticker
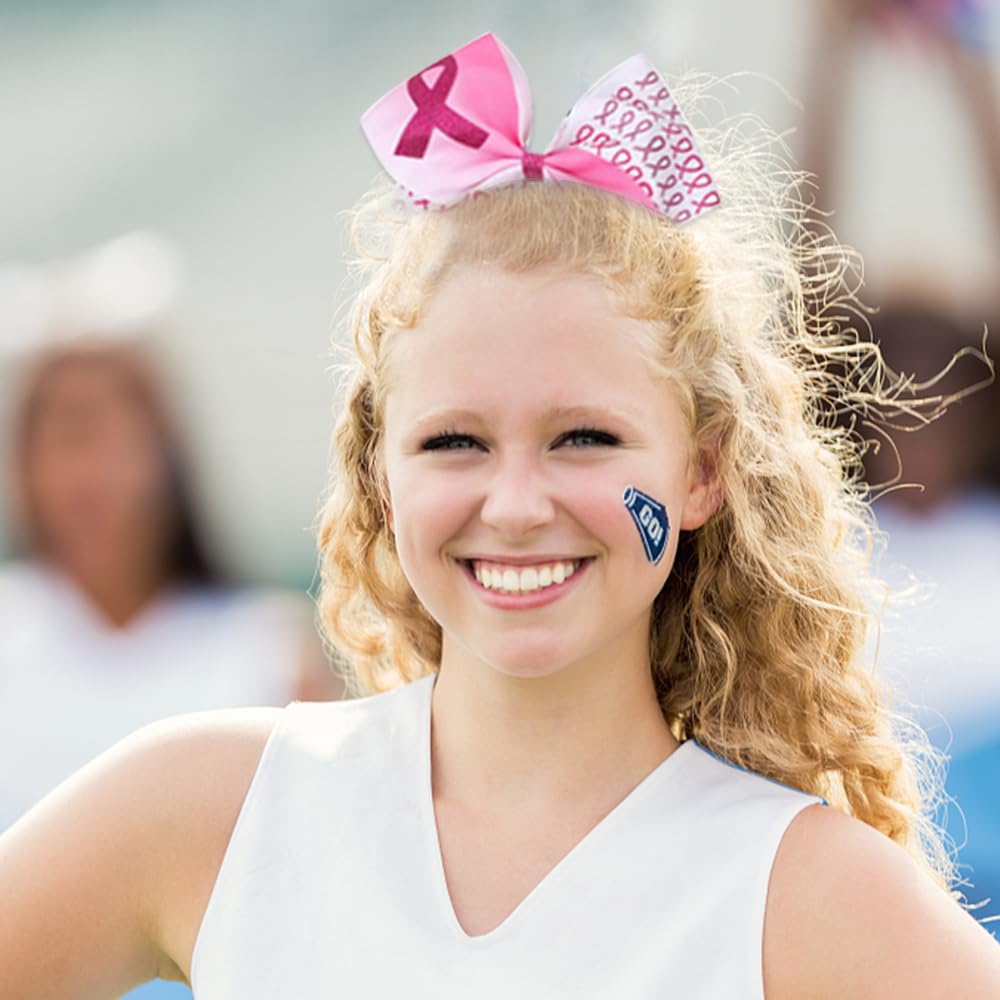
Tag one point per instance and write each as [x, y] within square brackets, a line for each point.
[650, 519]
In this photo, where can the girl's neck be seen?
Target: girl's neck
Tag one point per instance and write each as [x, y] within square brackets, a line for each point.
[592, 730]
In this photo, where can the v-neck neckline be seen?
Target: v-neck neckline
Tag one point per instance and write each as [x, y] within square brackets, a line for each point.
[666, 768]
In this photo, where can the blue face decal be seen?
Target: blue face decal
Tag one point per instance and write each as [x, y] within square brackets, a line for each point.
[650, 519]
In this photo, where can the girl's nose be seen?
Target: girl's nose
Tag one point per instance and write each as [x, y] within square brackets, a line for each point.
[518, 498]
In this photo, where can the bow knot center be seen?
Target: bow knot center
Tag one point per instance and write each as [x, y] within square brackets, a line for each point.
[531, 164]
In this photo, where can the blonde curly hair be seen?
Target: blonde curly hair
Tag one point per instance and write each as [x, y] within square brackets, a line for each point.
[758, 635]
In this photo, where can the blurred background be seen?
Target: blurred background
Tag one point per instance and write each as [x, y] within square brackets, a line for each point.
[173, 183]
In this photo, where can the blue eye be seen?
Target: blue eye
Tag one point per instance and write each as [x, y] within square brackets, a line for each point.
[448, 442]
[590, 437]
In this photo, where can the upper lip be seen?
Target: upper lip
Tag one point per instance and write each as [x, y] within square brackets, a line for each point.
[522, 560]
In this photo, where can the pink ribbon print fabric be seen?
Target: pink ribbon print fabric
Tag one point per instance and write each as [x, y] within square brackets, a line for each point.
[461, 125]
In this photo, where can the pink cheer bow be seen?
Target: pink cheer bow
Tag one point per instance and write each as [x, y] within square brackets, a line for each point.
[461, 126]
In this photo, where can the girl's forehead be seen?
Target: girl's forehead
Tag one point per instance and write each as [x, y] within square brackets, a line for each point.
[524, 349]
[485, 324]
[544, 285]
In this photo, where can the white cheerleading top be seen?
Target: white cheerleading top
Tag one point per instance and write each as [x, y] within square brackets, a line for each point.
[332, 885]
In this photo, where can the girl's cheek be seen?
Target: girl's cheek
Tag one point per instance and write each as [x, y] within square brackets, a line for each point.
[594, 497]
[626, 510]
[430, 505]
[595, 508]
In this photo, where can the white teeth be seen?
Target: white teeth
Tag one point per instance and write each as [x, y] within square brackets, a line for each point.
[531, 578]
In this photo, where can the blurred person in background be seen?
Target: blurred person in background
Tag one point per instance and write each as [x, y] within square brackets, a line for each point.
[954, 35]
[934, 501]
[113, 613]
[941, 517]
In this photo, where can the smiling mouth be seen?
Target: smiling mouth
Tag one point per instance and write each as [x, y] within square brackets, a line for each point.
[505, 578]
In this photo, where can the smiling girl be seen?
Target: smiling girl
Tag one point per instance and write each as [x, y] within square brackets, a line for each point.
[596, 554]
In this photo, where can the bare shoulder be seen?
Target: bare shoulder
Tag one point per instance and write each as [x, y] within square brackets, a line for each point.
[206, 763]
[105, 881]
[850, 913]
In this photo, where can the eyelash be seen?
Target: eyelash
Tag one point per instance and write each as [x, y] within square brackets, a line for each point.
[441, 442]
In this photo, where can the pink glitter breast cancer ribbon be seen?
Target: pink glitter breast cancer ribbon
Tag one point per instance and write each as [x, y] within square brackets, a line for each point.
[462, 124]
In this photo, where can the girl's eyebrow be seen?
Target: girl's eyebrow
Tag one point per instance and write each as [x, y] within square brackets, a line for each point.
[593, 412]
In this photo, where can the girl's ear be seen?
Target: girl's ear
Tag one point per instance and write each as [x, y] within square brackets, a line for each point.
[705, 493]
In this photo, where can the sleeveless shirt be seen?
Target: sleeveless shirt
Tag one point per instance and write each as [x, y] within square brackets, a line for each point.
[332, 885]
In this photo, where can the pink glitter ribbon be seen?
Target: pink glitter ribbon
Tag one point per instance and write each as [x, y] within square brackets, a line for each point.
[461, 125]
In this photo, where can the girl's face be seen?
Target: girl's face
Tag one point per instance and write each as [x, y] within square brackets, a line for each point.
[518, 411]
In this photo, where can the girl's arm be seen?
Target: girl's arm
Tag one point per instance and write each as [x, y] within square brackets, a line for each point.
[850, 914]
[103, 883]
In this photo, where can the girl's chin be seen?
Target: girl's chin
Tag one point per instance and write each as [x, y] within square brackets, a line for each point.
[525, 665]
[526, 672]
